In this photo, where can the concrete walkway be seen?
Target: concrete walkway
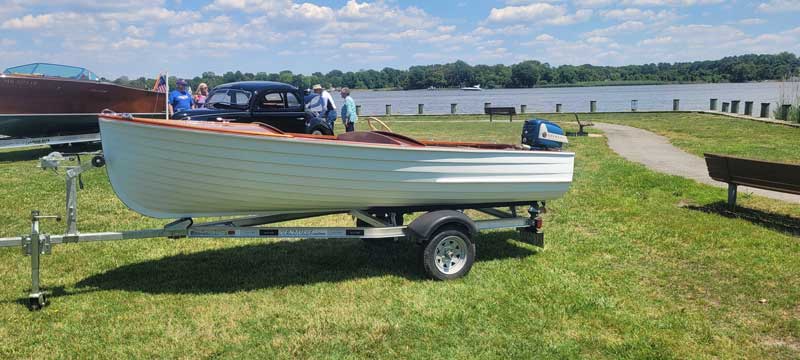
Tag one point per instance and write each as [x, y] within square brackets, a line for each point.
[655, 152]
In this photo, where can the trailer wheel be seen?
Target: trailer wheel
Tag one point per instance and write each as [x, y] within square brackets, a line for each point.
[449, 254]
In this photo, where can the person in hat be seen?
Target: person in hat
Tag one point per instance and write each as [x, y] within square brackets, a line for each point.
[327, 103]
[180, 99]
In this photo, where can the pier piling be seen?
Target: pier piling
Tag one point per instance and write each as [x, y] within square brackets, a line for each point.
[783, 114]
[420, 109]
[748, 108]
[358, 109]
[725, 106]
[558, 108]
[735, 106]
[676, 104]
[388, 109]
[765, 110]
[634, 105]
[593, 106]
[523, 109]
[453, 108]
[713, 104]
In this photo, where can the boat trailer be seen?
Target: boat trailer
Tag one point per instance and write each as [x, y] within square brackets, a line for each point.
[62, 140]
[444, 235]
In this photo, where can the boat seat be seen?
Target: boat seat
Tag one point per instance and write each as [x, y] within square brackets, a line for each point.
[378, 137]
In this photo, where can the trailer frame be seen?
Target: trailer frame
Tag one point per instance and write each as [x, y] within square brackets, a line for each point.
[454, 226]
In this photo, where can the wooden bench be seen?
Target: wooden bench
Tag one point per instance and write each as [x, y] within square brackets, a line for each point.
[767, 175]
[499, 110]
[582, 125]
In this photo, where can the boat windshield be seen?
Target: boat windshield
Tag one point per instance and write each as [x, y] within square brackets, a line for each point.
[53, 70]
[227, 98]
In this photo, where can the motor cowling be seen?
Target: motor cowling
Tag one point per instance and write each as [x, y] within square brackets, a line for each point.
[541, 134]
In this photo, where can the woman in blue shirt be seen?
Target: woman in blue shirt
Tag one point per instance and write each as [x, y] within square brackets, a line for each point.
[349, 116]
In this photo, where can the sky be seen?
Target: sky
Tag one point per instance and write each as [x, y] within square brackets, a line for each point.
[187, 37]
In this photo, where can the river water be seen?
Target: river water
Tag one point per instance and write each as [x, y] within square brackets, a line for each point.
[609, 98]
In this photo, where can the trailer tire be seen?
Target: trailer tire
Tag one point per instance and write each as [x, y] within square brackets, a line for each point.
[449, 254]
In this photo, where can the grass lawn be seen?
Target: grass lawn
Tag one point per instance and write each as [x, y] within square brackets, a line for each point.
[635, 267]
[694, 133]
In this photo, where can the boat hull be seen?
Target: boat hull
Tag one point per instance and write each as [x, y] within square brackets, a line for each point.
[33, 106]
[169, 172]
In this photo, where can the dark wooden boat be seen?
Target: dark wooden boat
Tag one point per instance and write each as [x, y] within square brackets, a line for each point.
[38, 100]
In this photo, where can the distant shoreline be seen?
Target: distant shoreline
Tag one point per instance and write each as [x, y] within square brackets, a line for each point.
[588, 84]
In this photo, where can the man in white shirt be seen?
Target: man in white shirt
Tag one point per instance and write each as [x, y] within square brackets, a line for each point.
[330, 107]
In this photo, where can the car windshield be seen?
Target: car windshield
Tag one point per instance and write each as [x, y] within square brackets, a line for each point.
[53, 70]
[228, 98]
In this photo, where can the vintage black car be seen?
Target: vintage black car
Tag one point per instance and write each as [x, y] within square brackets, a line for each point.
[273, 103]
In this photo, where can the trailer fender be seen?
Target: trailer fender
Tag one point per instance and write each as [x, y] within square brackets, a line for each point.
[426, 225]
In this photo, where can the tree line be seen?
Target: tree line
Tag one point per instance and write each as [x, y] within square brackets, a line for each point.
[525, 74]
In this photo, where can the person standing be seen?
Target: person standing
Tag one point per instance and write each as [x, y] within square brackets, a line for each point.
[327, 102]
[180, 99]
[200, 96]
[349, 116]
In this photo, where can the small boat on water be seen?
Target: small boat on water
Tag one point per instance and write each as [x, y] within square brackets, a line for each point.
[472, 88]
[177, 169]
[38, 100]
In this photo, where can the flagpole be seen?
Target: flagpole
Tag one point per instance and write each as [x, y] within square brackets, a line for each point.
[166, 95]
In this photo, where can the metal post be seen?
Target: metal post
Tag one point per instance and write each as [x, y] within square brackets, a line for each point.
[735, 106]
[676, 104]
[713, 104]
[748, 108]
[388, 109]
[453, 108]
[765, 110]
[593, 106]
[732, 196]
[634, 105]
[558, 108]
[358, 109]
[420, 108]
[725, 107]
[35, 252]
[72, 203]
[523, 109]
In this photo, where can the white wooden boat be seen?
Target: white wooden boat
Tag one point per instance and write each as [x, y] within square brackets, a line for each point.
[175, 169]
[472, 88]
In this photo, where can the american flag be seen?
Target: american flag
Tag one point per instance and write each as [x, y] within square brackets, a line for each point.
[161, 84]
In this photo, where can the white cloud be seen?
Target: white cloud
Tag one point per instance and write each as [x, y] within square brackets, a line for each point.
[532, 12]
[579, 16]
[545, 37]
[598, 40]
[752, 21]
[626, 27]
[671, 2]
[362, 46]
[662, 40]
[777, 6]
[28, 22]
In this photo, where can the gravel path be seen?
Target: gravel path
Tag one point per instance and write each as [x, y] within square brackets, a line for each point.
[655, 152]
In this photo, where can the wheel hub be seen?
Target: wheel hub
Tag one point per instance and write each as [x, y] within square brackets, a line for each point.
[451, 254]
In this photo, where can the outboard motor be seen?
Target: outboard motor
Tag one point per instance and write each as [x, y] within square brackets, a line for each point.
[541, 134]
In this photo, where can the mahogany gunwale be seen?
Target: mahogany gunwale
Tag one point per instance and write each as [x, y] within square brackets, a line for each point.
[257, 130]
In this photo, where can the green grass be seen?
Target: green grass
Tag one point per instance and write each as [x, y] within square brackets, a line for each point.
[694, 133]
[637, 266]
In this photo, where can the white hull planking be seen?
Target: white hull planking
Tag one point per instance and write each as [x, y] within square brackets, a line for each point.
[166, 172]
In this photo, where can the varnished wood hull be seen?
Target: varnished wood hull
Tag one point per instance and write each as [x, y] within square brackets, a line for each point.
[37, 106]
